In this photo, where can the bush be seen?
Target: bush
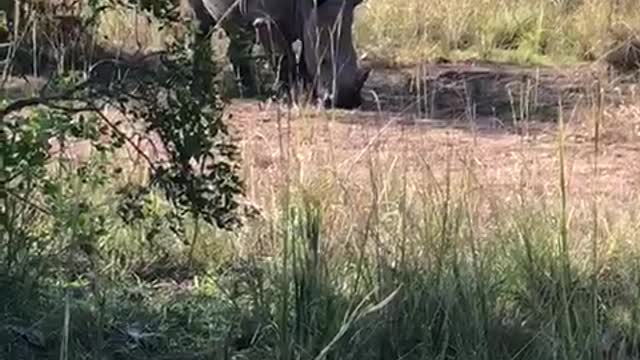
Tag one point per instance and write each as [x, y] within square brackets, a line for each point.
[71, 221]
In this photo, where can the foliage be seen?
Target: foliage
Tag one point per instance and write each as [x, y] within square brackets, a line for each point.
[48, 227]
[29, 190]
[182, 108]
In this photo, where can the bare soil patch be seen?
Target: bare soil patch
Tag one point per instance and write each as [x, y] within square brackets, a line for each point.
[503, 92]
[425, 152]
[395, 136]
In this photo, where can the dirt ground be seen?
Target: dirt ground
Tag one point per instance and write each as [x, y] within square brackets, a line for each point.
[393, 134]
[497, 123]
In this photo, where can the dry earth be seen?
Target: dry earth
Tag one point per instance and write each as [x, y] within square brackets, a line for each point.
[466, 127]
[392, 135]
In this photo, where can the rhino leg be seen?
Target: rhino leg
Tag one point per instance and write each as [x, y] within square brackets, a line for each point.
[202, 20]
[305, 75]
[239, 51]
[280, 52]
[203, 23]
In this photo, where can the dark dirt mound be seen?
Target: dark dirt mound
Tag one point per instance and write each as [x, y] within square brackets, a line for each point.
[504, 92]
[624, 52]
[626, 56]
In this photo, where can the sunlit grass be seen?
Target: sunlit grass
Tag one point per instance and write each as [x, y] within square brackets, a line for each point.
[529, 31]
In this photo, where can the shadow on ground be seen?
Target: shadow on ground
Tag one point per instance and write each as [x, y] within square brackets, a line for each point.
[488, 97]
[488, 94]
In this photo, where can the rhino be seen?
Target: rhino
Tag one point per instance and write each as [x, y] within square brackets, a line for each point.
[328, 65]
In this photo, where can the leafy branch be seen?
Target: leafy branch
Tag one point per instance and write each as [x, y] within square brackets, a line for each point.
[200, 175]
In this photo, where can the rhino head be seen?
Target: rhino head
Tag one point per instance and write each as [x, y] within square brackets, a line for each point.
[329, 53]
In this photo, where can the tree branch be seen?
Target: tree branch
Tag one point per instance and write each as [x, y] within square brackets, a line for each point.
[20, 104]
[125, 137]
[27, 201]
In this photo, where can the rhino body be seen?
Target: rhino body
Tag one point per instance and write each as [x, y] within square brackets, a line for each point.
[324, 27]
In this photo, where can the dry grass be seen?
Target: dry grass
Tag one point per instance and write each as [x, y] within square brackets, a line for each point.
[409, 32]
[514, 30]
[443, 212]
[131, 31]
[502, 163]
[412, 31]
[518, 31]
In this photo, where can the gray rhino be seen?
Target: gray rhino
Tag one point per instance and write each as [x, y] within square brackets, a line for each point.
[328, 65]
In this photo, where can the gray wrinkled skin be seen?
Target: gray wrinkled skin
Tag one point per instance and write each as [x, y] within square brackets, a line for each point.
[323, 26]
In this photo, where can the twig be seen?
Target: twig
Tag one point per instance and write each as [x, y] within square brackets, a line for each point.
[13, 51]
[20, 104]
[49, 101]
[124, 136]
[27, 201]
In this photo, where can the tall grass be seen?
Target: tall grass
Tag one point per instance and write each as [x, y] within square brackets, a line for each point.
[401, 32]
[384, 258]
[539, 31]
[477, 276]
